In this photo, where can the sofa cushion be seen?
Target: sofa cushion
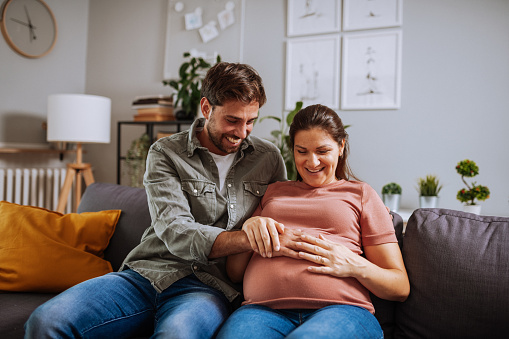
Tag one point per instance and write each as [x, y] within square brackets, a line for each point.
[134, 220]
[46, 251]
[15, 309]
[458, 266]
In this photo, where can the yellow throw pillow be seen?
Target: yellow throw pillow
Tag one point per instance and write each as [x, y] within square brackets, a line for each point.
[46, 251]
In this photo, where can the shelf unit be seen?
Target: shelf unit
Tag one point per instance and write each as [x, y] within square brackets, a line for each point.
[150, 127]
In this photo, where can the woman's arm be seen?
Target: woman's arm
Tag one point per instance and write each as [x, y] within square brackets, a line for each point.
[382, 271]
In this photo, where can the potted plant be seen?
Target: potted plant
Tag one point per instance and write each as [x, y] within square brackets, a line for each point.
[391, 195]
[468, 168]
[428, 188]
[136, 158]
[282, 139]
[188, 87]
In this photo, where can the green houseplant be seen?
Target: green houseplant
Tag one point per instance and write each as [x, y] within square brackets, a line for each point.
[428, 188]
[188, 86]
[282, 140]
[391, 195]
[136, 158]
[469, 169]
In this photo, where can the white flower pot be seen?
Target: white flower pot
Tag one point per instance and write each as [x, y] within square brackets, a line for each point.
[428, 201]
[392, 201]
[475, 209]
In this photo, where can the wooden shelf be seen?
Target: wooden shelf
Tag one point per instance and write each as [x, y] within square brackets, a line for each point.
[60, 152]
[35, 150]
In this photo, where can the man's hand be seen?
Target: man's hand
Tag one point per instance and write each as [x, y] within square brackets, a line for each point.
[290, 241]
[263, 235]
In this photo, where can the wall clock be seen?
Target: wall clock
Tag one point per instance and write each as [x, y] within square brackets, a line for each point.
[29, 27]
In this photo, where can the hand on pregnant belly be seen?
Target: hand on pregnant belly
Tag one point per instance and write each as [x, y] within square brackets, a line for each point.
[335, 259]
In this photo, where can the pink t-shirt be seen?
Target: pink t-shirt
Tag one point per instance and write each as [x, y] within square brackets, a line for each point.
[347, 212]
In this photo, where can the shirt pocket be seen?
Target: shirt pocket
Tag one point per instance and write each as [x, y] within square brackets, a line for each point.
[253, 192]
[202, 199]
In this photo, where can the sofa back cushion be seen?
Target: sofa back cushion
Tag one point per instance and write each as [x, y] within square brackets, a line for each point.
[134, 219]
[458, 266]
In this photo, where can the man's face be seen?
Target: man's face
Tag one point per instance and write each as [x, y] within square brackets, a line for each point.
[228, 125]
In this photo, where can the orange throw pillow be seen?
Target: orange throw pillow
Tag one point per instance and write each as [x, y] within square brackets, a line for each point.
[46, 251]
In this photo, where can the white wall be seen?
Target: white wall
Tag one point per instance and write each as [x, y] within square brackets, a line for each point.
[26, 83]
[454, 88]
[454, 101]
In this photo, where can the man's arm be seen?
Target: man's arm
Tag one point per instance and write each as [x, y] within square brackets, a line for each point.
[228, 243]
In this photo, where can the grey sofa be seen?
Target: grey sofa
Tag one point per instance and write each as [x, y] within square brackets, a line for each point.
[458, 265]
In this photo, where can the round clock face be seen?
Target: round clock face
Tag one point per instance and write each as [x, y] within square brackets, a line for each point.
[29, 27]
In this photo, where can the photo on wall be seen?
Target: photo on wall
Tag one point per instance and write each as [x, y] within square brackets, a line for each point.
[371, 71]
[307, 17]
[312, 77]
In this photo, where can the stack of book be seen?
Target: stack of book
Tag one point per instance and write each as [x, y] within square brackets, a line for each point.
[153, 108]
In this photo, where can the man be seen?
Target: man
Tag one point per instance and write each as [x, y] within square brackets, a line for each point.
[202, 185]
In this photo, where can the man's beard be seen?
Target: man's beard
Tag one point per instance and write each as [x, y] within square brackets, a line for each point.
[216, 140]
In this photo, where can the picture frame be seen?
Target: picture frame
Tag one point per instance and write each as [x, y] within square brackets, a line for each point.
[367, 14]
[371, 70]
[313, 17]
[312, 77]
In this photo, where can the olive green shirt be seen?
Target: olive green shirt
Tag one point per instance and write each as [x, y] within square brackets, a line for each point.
[188, 212]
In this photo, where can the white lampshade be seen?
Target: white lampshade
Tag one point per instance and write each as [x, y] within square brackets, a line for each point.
[79, 118]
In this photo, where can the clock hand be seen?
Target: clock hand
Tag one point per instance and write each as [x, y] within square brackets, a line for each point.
[30, 26]
[21, 22]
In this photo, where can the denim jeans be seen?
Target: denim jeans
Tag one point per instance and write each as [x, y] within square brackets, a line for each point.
[124, 304]
[336, 321]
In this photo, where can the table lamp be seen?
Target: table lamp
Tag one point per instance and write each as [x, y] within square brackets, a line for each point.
[78, 118]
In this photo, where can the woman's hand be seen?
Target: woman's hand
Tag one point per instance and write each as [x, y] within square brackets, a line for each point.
[263, 235]
[336, 259]
[382, 271]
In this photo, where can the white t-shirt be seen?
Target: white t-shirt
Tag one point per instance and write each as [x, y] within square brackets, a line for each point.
[223, 163]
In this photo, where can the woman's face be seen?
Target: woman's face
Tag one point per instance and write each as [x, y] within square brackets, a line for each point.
[316, 156]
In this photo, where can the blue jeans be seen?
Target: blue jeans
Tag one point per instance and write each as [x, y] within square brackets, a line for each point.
[124, 304]
[337, 321]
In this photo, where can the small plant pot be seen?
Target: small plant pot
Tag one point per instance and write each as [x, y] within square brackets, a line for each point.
[428, 201]
[475, 209]
[392, 201]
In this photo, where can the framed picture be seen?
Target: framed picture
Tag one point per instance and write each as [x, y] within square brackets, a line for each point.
[371, 71]
[313, 17]
[366, 14]
[312, 71]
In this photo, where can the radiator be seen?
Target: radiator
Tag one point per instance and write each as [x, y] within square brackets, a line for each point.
[33, 186]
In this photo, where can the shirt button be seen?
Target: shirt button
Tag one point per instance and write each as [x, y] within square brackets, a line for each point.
[231, 206]
[195, 267]
[229, 185]
[257, 192]
[195, 191]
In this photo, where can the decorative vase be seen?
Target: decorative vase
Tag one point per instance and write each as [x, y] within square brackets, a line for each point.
[475, 209]
[392, 201]
[428, 201]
